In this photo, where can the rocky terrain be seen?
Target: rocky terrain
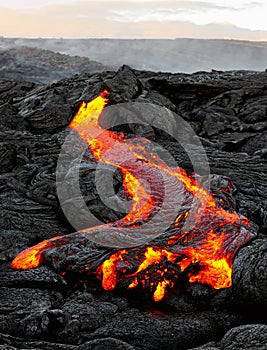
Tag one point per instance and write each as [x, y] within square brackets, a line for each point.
[42, 66]
[177, 55]
[43, 309]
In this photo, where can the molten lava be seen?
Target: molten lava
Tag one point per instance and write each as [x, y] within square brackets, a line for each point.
[200, 243]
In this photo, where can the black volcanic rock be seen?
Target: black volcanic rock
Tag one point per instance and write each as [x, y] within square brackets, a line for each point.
[41, 309]
[42, 66]
[248, 337]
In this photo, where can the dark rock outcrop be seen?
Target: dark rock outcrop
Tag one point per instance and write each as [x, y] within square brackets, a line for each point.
[43, 66]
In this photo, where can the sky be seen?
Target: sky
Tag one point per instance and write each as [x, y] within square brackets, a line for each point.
[238, 19]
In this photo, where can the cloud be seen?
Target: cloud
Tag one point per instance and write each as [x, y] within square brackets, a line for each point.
[157, 10]
[150, 19]
[16, 4]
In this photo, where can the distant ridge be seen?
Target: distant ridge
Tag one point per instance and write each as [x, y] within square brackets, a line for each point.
[42, 66]
[169, 55]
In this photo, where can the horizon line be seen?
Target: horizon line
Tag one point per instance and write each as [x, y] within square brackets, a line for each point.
[130, 38]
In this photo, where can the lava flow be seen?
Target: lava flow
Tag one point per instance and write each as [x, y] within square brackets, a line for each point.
[199, 244]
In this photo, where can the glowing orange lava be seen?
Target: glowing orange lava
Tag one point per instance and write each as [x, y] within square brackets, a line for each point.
[32, 257]
[205, 245]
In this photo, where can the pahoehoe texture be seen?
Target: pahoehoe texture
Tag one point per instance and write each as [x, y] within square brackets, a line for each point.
[248, 337]
[40, 309]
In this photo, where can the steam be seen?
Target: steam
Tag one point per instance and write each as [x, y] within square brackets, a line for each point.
[179, 55]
